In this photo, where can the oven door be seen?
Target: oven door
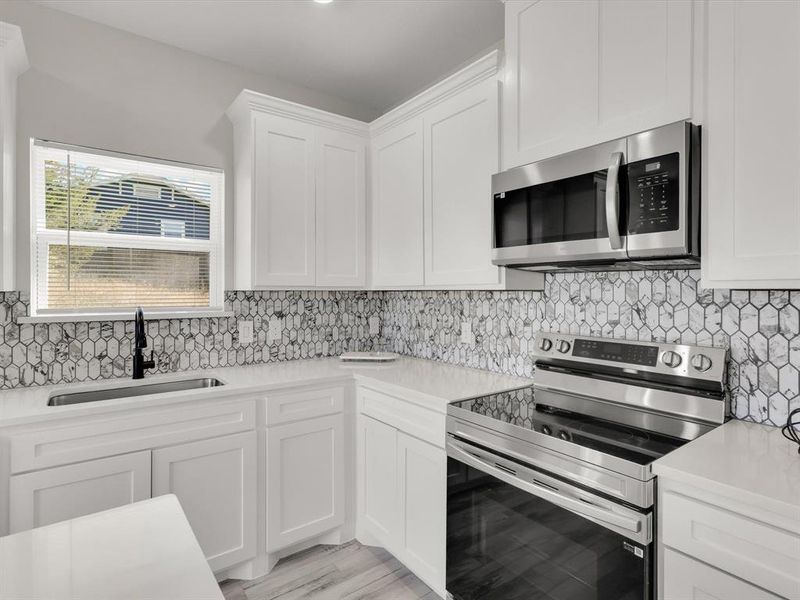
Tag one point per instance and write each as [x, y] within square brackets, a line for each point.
[565, 209]
[515, 532]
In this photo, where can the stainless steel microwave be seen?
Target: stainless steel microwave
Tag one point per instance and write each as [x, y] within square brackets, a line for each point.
[632, 203]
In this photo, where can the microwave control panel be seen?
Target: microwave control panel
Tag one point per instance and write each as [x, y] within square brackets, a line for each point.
[654, 188]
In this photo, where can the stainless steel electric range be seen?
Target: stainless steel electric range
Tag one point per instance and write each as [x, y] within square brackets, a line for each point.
[550, 493]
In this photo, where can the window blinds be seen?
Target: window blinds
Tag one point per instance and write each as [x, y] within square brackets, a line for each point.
[112, 232]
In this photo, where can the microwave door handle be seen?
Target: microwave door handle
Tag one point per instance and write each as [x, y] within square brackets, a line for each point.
[597, 513]
[612, 201]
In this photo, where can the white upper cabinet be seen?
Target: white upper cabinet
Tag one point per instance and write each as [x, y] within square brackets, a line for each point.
[299, 196]
[397, 236]
[461, 155]
[431, 203]
[283, 198]
[341, 209]
[13, 62]
[751, 141]
[586, 71]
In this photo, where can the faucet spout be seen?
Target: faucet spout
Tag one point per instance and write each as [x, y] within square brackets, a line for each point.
[140, 343]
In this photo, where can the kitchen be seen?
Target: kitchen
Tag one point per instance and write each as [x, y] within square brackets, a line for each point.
[506, 306]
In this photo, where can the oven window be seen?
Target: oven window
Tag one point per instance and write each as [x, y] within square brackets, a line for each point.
[558, 211]
[503, 543]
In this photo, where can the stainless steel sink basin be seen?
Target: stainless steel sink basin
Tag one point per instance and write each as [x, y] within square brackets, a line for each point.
[133, 390]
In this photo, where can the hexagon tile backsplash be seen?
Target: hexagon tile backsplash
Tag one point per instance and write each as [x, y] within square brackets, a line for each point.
[315, 324]
[761, 328]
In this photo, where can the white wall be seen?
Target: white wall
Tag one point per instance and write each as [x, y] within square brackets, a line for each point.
[97, 86]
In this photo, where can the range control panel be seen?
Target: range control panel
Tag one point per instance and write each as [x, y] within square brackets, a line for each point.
[681, 360]
[616, 351]
[654, 189]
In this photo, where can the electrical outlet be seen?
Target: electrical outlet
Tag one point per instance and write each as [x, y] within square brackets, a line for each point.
[467, 336]
[374, 325]
[245, 332]
[275, 330]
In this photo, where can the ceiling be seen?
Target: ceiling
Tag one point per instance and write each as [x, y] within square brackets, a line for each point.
[373, 53]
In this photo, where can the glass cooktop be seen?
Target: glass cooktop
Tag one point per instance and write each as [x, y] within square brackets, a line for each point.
[520, 409]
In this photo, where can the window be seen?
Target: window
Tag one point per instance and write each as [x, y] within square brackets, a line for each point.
[111, 232]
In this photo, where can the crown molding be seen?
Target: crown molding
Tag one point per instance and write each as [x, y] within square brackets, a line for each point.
[12, 49]
[249, 101]
[483, 68]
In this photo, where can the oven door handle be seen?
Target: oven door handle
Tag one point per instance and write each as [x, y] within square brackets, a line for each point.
[612, 201]
[598, 514]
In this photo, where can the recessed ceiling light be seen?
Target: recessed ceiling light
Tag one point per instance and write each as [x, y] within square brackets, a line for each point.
[323, 1]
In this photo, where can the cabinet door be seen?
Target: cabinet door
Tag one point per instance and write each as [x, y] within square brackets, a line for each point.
[305, 480]
[340, 209]
[752, 146]
[378, 485]
[283, 195]
[551, 77]
[461, 155]
[61, 493]
[397, 236]
[215, 482]
[686, 579]
[422, 477]
[644, 65]
[586, 71]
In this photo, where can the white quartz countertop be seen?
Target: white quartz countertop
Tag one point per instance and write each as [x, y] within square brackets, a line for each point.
[746, 461]
[142, 550]
[432, 383]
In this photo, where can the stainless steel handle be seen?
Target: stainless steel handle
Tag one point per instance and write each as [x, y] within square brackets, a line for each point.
[583, 508]
[612, 201]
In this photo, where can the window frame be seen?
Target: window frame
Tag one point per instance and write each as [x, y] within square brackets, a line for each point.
[41, 239]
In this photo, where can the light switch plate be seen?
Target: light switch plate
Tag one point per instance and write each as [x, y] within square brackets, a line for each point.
[275, 330]
[245, 332]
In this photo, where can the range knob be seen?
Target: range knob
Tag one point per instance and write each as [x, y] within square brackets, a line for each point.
[546, 430]
[563, 346]
[671, 359]
[545, 344]
[701, 362]
[564, 435]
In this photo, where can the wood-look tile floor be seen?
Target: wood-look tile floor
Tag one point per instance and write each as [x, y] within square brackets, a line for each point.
[347, 572]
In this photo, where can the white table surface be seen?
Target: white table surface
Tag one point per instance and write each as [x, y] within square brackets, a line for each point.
[142, 551]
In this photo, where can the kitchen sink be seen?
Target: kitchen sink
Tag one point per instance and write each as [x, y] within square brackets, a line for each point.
[146, 389]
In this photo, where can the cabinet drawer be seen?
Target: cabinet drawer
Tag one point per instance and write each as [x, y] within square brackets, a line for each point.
[128, 431]
[305, 404]
[689, 579]
[427, 425]
[752, 550]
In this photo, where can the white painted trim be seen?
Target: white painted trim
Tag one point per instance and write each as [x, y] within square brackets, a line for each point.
[483, 68]
[151, 315]
[248, 101]
[12, 49]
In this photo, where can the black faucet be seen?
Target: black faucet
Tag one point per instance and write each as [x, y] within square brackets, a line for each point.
[140, 342]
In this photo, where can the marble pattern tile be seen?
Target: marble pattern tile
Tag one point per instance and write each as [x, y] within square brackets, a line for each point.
[314, 324]
[761, 328]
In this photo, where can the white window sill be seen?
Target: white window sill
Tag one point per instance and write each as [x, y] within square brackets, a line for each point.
[128, 316]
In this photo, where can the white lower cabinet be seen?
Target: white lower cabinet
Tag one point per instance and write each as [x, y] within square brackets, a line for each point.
[61, 493]
[305, 480]
[215, 483]
[403, 502]
[422, 481]
[690, 579]
[378, 455]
